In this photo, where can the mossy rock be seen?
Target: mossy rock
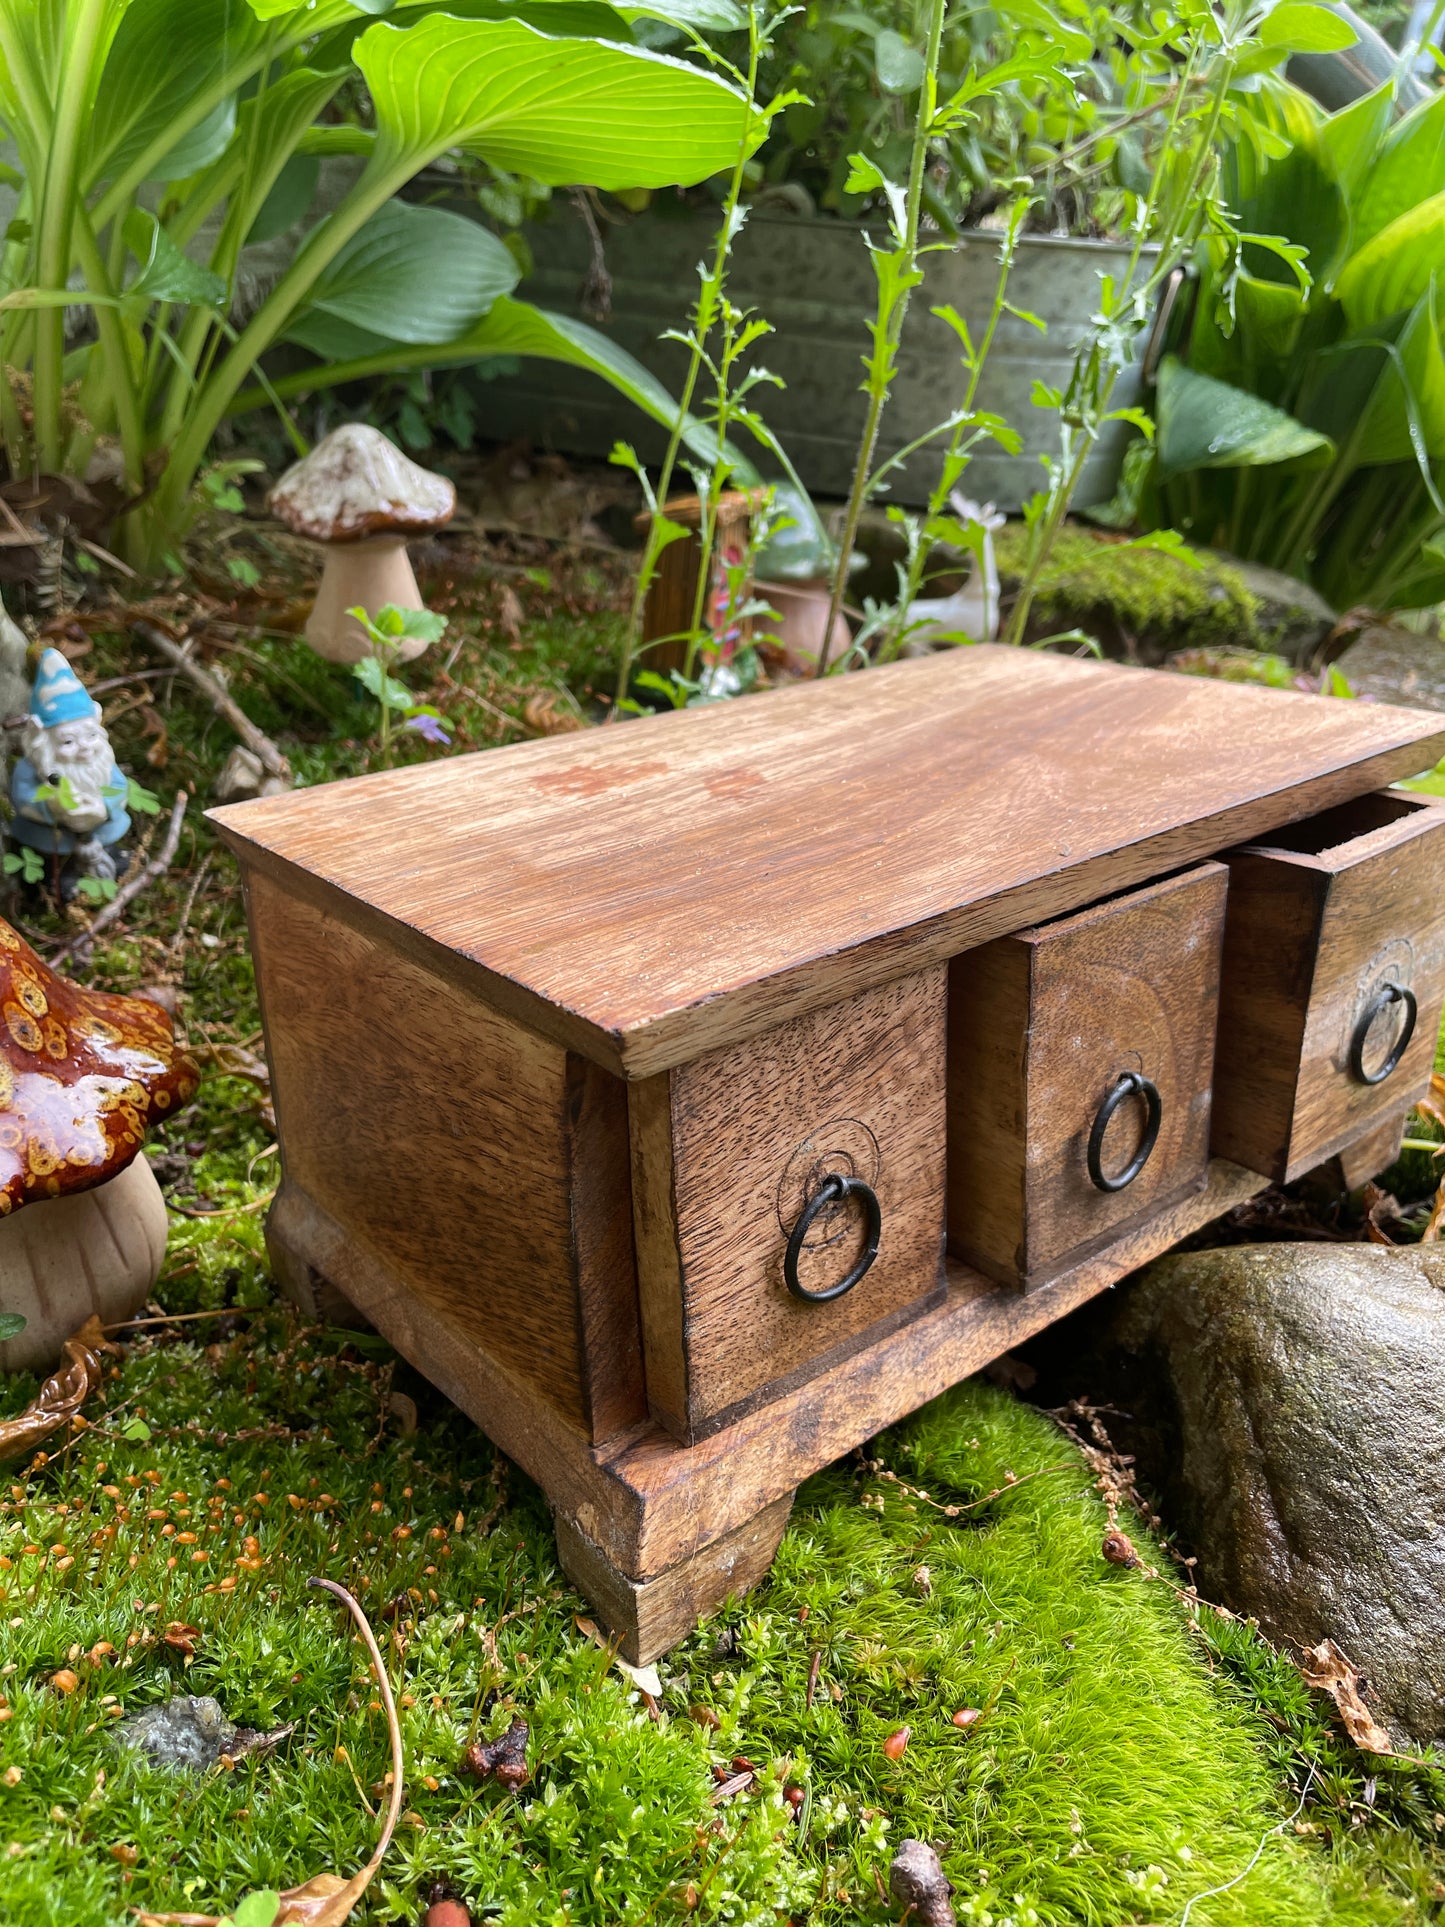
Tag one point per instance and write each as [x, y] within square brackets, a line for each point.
[1139, 605]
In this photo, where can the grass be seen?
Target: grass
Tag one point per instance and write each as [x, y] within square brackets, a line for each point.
[1127, 1761]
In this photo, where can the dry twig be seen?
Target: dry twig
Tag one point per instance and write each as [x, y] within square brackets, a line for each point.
[79, 946]
[224, 704]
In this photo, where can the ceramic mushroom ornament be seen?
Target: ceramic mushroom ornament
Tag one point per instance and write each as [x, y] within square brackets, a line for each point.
[82, 1221]
[360, 497]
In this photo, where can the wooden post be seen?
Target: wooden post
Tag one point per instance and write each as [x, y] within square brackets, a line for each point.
[667, 614]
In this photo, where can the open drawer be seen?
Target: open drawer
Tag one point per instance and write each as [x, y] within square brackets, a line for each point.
[1079, 1061]
[1333, 981]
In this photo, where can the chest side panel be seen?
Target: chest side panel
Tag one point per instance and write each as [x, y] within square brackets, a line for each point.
[435, 1131]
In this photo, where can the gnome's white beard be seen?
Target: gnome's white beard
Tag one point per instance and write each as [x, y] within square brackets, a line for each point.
[85, 764]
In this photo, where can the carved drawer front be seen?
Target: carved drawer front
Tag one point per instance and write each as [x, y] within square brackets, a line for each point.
[763, 1176]
[1334, 976]
[1079, 1056]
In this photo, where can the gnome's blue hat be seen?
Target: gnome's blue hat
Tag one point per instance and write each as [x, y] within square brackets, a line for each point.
[59, 696]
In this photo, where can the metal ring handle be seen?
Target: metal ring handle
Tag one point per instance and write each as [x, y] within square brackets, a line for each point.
[833, 1190]
[1130, 1084]
[1384, 999]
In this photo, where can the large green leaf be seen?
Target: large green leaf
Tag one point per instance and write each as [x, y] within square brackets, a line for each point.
[1205, 423]
[1352, 139]
[1294, 194]
[1409, 166]
[415, 274]
[1382, 391]
[1305, 29]
[164, 272]
[271, 126]
[1388, 275]
[165, 54]
[564, 111]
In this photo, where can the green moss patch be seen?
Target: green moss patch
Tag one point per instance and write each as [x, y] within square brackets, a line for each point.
[1139, 604]
[1122, 1762]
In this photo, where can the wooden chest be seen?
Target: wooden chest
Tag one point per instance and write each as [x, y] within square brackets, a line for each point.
[691, 1098]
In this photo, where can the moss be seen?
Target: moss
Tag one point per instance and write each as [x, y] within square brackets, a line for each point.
[1141, 604]
[1110, 1777]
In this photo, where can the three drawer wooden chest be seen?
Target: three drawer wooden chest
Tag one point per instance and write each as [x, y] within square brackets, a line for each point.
[691, 1098]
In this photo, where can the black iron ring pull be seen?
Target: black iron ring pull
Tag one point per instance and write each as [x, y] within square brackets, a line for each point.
[1384, 999]
[1132, 1083]
[833, 1190]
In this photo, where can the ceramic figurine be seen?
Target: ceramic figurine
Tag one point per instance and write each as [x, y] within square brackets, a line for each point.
[82, 1221]
[67, 792]
[360, 498]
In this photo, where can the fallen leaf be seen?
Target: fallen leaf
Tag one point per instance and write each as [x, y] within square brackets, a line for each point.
[503, 1760]
[1433, 1104]
[62, 1394]
[509, 612]
[1431, 1233]
[1379, 1204]
[919, 1885]
[549, 716]
[1326, 1668]
[402, 1407]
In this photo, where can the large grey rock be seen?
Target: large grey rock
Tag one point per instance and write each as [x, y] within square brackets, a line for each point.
[1297, 1433]
[1395, 665]
[1293, 618]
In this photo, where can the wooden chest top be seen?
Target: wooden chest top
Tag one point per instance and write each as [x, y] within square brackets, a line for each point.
[645, 892]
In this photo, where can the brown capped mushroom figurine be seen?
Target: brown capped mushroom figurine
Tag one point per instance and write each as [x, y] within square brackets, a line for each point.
[360, 497]
[82, 1221]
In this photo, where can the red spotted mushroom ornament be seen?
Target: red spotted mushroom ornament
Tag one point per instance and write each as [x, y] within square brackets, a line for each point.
[83, 1074]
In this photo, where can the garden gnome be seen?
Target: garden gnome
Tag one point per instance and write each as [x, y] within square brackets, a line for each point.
[67, 791]
[14, 682]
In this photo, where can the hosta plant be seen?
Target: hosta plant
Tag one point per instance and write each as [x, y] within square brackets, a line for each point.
[1302, 421]
[155, 138]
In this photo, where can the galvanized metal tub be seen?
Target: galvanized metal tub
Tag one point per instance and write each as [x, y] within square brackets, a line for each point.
[813, 280]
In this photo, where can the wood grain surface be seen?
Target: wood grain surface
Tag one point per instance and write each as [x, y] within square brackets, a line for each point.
[1318, 920]
[650, 1616]
[645, 1500]
[728, 1150]
[648, 891]
[1041, 1026]
[486, 1168]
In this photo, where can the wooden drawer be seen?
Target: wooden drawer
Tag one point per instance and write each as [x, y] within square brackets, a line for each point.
[1334, 946]
[731, 1150]
[1062, 1041]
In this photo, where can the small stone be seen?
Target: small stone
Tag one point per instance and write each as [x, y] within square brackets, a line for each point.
[185, 1733]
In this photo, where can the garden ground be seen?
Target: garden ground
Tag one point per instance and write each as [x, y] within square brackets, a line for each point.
[1132, 1751]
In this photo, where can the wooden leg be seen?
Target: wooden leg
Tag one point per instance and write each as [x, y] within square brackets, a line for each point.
[652, 1615]
[313, 1295]
[1369, 1155]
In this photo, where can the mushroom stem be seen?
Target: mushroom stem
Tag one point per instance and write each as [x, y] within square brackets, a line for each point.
[366, 574]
